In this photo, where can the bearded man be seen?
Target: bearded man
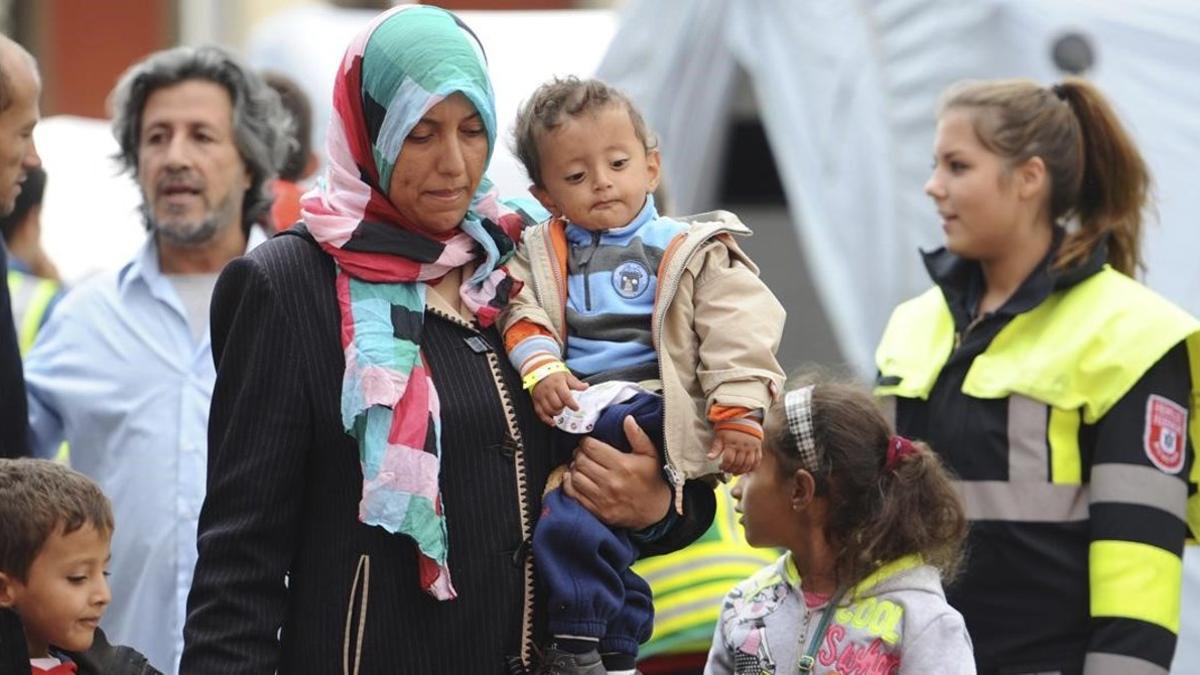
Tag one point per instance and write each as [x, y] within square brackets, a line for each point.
[123, 369]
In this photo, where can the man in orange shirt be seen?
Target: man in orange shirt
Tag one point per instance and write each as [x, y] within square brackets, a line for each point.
[301, 161]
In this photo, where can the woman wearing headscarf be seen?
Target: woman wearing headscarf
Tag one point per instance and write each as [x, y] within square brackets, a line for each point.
[374, 473]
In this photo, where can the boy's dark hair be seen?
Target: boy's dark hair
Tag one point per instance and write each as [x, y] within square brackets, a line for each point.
[573, 97]
[876, 515]
[296, 103]
[37, 497]
[32, 191]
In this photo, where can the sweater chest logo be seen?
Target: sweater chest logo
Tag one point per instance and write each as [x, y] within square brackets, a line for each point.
[630, 279]
[1165, 435]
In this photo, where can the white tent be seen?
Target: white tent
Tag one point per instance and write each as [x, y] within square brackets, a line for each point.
[90, 217]
[846, 93]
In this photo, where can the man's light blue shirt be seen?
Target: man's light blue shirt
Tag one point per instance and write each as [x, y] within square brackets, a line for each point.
[117, 374]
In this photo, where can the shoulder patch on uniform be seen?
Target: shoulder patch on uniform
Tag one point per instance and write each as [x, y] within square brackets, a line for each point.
[1166, 433]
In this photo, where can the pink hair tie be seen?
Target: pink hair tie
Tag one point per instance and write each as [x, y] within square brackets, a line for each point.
[899, 447]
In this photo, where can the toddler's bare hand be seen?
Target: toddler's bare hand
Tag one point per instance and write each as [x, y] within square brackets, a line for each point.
[553, 393]
[739, 452]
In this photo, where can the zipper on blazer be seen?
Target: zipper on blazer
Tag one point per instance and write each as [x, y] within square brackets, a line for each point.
[519, 470]
[457, 320]
[518, 457]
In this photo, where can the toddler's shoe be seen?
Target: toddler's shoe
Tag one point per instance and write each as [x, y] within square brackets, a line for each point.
[556, 661]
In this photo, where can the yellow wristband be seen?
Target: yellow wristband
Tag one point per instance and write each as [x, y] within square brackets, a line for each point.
[541, 372]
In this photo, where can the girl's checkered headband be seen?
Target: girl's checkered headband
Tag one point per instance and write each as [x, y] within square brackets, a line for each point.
[797, 404]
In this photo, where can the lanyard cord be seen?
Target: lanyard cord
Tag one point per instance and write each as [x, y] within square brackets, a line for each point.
[808, 660]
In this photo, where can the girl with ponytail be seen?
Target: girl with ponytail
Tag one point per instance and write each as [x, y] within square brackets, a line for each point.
[1055, 386]
[871, 526]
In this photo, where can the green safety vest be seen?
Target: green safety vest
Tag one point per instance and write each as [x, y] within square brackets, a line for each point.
[1079, 352]
[690, 584]
[31, 297]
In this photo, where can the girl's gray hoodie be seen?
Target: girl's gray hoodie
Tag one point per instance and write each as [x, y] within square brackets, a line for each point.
[895, 621]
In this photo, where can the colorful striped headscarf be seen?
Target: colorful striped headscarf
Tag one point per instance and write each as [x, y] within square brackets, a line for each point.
[405, 62]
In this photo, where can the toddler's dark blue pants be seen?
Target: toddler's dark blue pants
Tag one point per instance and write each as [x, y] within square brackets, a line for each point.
[584, 564]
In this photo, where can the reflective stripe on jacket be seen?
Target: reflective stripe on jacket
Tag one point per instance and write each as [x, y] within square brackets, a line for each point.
[690, 584]
[1054, 433]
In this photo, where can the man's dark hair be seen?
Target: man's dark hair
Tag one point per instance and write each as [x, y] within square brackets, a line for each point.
[262, 129]
[30, 196]
[296, 103]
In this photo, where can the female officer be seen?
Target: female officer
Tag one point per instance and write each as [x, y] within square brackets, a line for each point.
[1057, 387]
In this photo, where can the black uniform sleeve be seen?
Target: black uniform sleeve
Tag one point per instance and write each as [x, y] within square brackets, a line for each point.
[1141, 459]
[259, 441]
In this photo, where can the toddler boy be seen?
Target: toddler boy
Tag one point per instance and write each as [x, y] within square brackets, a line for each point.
[624, 313]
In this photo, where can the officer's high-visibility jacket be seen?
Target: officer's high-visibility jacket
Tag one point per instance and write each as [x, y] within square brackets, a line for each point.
[32, 298]
[690, 584]
[1066, 415]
